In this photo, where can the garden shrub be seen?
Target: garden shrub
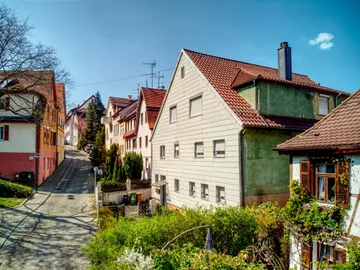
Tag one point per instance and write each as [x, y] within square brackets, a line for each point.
[133, 165]
[106, 218]
[10, 190]
[111, 158]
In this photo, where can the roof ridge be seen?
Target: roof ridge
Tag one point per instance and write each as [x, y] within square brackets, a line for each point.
[329, 115]
[238, 61]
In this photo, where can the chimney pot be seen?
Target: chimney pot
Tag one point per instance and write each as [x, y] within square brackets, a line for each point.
[284, 61]
[130, 97]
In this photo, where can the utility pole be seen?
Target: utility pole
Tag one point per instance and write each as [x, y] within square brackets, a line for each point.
[152, 66]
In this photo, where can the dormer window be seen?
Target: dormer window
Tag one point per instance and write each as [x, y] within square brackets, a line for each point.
[323, 105]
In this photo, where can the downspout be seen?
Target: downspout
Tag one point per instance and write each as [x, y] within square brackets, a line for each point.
[242, 166]
[37, 147]
[336, 97]
[56, 139]
[256, 95]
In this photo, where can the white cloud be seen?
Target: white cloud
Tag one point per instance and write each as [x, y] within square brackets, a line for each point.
[323, 40]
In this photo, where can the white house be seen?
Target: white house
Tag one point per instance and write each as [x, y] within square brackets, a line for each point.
[112, 127]
[314, 157]
[75, 120]
[148, 108]
[212, 141]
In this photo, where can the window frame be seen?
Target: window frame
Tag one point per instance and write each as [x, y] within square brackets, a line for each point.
[146, 141]
[134, 144]
[326, 177]
[204, 195]
[214, 149]
[196, 154]
[201, 106]
[2, 132]
[176, 152]
[192, 189]
[140, 143]
[176, 185]
[323, 97]
[182, 72]
[162, 152]
[328, 250]
[174, 107]
[218, 197]
[141, 119]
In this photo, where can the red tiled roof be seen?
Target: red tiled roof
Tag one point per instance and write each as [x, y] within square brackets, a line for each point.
[129, 133]
[153, 97]
[225, 74]
[152, 116]
[339, 130]
[119, 102]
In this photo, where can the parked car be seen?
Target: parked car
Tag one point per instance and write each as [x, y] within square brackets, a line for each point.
[88, 148]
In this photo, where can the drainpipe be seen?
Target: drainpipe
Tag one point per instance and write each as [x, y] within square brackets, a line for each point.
[336, 97]
[56, 139]
[37, 147]
[242, 166]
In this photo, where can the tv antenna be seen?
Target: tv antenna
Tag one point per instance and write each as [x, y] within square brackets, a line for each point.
[152, 74]
[159, 77]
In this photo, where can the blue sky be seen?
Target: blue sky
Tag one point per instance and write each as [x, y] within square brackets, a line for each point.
[107, 40]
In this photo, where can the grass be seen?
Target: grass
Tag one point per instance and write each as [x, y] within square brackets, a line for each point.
[10, 202]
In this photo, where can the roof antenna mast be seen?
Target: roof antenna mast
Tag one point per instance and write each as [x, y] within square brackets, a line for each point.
[152, 74]
[159, 77]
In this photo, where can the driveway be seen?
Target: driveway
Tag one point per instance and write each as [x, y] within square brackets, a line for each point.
[50, 230]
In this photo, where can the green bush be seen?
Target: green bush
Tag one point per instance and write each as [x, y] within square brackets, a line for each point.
[10, 190]
[111, 158]
[133, 165]
[191, 257]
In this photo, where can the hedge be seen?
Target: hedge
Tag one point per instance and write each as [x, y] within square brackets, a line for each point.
[10, 190]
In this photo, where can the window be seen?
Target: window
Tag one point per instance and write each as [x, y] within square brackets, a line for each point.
[330, 183]
[122, 129]
[5, 103]
[176, 150]
[141, 118]
[156, 178]
[306, 254]
[173, 114]
[162, 178]
[199, 149]
[176, 185]
[134, 143]
[145, 117]
[220, 194]
[2, 103]
[323, 105]
[2, 131]
[146, 141]
[162, 151]
[140, 143]
[329, 255]
[219, 148]
[182, 72]
[204, 191]
[195, 106]
[111, 128]
[192, 189]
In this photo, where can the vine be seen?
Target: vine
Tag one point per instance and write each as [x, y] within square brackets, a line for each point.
[308, 219]
[343, 161]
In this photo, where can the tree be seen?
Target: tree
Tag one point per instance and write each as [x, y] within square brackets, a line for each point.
[24, 66]
[133, 165]
[98, 154]
[93, 118]
[111, 158]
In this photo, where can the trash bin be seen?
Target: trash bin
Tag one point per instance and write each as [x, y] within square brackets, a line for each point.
[126, 199]
[132, 198]
[139, 196]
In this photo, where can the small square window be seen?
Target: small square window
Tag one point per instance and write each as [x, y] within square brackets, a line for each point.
[176, 185]
[182, 72]
[140, 143]
[156, 178]
[219, 148]
[199, 149]
[220, 194]
[176, 150]
[192, 189]
[204, 191]
[173, 114]
[195, 106]
[162, 151]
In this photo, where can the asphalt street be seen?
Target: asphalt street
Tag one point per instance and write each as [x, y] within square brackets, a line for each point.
[50, 230]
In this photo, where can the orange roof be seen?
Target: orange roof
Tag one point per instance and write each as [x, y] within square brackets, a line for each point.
[153, 101]
[152, 116]
[120, 102]
[129, 133]
[339, 130]
[225, 74]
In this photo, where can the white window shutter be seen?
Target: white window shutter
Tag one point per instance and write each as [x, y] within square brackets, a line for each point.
[220, 146]
[199, 148]
[195, 106]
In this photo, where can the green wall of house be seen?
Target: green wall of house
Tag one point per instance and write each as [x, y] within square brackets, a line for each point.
[266, 172]
[248, 93]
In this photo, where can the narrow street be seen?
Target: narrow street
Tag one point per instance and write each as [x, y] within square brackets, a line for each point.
[50, 230]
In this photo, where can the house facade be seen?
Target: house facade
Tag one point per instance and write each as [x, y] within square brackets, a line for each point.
[326, 161]
[76, 122]
[28, 125]
[112, 127]
[148, 108]
[61, 116]
[212, 142]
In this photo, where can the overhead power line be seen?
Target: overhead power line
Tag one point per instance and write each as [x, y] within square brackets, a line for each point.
[120, 79]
